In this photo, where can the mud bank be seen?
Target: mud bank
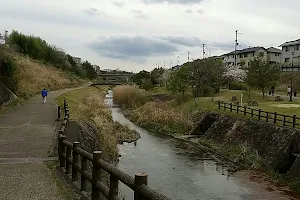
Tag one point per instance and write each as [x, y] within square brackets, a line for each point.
[278, 146]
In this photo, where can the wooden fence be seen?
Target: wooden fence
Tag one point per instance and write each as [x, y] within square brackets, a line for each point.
[270, 117]
[74, 160]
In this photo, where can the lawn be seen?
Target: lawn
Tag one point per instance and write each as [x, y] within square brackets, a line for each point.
[210, 104]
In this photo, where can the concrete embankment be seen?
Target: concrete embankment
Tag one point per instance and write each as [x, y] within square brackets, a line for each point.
[278, 146]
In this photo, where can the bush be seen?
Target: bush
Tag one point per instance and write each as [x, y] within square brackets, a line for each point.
[129, 96]
[238, 86]
[162, 118]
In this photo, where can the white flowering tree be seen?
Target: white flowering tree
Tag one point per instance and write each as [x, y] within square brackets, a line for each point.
[234, 73]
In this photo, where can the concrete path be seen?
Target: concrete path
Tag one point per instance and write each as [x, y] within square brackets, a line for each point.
[27, 136]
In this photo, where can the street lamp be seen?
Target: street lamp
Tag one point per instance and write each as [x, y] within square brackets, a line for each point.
[291, 93]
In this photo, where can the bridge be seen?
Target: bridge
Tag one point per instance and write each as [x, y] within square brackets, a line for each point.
[113, 79]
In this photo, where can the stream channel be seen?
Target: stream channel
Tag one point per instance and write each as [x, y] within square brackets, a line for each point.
[173, 171]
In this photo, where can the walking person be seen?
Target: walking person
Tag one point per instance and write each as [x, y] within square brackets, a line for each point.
[44, 95]
[273, 90]
[289, 91]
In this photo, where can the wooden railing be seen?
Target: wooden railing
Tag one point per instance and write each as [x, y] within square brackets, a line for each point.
[74, 161]
[270, 117]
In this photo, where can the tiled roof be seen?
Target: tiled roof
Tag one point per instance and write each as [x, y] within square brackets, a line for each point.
[247, 50]
[274, 50]
[290, 43]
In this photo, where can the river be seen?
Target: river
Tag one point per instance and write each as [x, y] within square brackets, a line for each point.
[173, 171]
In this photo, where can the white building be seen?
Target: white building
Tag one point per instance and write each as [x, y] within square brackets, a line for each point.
[244, 56]
[77, 60]
[96, 68]
[291, 52]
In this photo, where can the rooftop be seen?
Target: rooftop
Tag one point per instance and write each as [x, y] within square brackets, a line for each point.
[247, 50]
[274, 50]
[290, 43]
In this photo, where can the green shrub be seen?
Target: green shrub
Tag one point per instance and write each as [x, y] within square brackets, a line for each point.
[238, 86]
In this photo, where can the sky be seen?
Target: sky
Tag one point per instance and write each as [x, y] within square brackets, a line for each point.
[135, 35]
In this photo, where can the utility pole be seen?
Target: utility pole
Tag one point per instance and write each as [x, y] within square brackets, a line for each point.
[235, 46]
[5, 37]
[164, 64]
[171, 64]
[203, 50]
[177, 60]
[188, 56]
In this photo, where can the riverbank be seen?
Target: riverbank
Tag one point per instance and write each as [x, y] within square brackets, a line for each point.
[234, 156]
[87, 108]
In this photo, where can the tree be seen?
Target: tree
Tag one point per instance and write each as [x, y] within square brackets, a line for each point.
[141, 78]
[179, 81]
[90, 71]
[156, 74]
[234, 74]
[262, 74]
[205, 74]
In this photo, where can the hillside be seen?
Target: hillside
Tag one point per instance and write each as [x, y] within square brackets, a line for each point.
[28, 76]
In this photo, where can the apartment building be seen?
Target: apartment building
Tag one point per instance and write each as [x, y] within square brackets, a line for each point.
[96, 68]
[290, 52]
[77, 60]
[244, 56]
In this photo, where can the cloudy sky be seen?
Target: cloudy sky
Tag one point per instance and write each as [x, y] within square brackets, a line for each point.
[138, 34]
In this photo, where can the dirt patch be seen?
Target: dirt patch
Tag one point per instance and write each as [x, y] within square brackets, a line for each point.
[286, 105]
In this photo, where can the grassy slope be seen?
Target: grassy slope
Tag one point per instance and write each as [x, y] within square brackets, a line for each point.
[33, 75]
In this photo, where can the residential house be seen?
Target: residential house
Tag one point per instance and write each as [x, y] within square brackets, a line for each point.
[244, 56]
[291, 52]
[77, 60]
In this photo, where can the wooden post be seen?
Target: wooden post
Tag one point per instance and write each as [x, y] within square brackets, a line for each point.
[113, 188]
[267, 117]
[252, 112]
[225, 104]
[96, 175]
[284, 120]
[62, 151]
[245, 110]
[84, 167]
[230, 107]
[68, 165]
[275, 117]
[294, 121]
[237, 109]
[219, 104]
[75, 162]
[58, 113]
[259, 114]
[140, 179]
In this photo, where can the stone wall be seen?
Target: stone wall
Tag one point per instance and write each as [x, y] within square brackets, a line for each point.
[278, 146]
[6, 95]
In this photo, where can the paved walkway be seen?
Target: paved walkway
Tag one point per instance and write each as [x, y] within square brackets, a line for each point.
[27, 135]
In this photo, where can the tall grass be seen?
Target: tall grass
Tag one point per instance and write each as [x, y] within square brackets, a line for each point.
[110, 133]
[162, 118]
[130, 96]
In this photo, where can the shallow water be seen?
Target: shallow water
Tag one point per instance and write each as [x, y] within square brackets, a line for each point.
[173, 171]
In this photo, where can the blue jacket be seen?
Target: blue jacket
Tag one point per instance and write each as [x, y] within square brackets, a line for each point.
[44, 93]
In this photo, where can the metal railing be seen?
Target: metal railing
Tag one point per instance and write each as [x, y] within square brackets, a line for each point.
[270, 117]
[74, 160]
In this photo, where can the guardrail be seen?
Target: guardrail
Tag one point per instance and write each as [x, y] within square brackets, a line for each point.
[74, 160]
[270, 117]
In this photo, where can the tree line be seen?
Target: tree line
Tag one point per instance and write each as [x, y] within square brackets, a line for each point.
[37, 48]
[205, 77]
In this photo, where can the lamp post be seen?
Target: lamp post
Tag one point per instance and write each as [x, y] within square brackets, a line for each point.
[291, 93]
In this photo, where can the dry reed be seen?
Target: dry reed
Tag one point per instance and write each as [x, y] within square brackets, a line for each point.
[129, 96]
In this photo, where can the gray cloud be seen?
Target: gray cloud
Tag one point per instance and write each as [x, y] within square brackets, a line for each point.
[137, 48]
[119, 4]
[189, 11]
[184, 2]
[197, 42]
[93, 11]
[140, 14]
[200, 11]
